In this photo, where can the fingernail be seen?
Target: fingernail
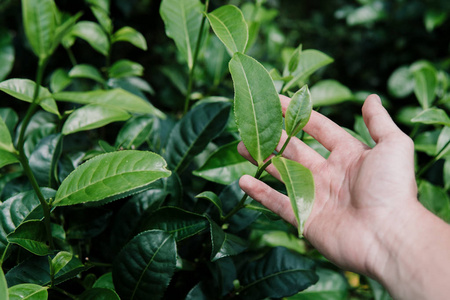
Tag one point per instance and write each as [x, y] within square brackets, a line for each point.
[375, 96]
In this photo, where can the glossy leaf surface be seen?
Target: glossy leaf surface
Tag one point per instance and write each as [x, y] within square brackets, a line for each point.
[182, 20]
[145, 265]
[44, 159]
[111, 176]
[28, 291]
[60, 261]
[30, 235]
[118, 98]
[178, 222]
[225, 165]
[257, 106]
[135, 132]
[86, 71]
[230, 27]
[432, 116]
[278, 274]
[6, 54]
[130, 35]
[300, 187]
[298, 111]
[425, 83]
[224, 244]
[93, 34]
[23, 89]
[193, 132]
[93, 116]
[40, 25]
[330, 92]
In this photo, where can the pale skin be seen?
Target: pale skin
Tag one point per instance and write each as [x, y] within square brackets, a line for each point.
[366, 217]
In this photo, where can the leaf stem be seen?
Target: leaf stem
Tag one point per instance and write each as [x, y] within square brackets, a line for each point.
[194, 63]
[23, 158]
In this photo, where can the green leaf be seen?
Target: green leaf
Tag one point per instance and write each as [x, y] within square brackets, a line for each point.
[425, 82]
[37, 270]
[10, 118]
[130, 35]
[298, 111]
[182, 20]
[217, 58]
[23, 89]
[213, 198]
[63, 29]
[443, 143]
[125, 68]
[103, 4]
[401, 82]
[86, 71]
[31, 235]
[435, 199]
[118, 98]
[135, 132]
[230, 27]
[103, 18]
[432, 116]
[294, 60]
[225, 165]
[105, 281]
[44, 159]
[434, 18]
[111, 176]
[28, 291]
[363, 132]
[300, 187]
[310, 61]
[330, 92]
[99, 294]
[331, 286]
[6, 54]
[93, 116]
[3, 286]
[7, 158]
[280, 273]
[40, 25]
[5, 138]
[378, 291]
[93, 34]
[193, 132]
[16, 210]
[60, 261]
[224, 244]
[59, 80]
[145, 265]
[180, 223]
[257, 106]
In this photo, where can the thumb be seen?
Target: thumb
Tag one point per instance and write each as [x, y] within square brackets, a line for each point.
[377, 119]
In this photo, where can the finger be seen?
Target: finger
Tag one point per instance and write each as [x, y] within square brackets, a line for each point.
[273, 200]
[377, 119]
[284, 103]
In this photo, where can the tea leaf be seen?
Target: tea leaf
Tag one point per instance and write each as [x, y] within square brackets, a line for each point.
[60, 261]
[44, 159]
[7, 158]
[213, 198]
[104, 281]
[118, 98]
[331, 283]
[180, 223]
[225, 165]
[125, 68]
[224, 244]
[86, 71]
[330, 92]
[310, 61]
[145, 265]
[257, 106]
[425, 79]
[31, 235]
[111, 176]
[300, 187]
[59, 80]
[99, 294]
[28, 291]
[5, 138]
[10, 118]
[6, 54]
[23, 89]
[298, 111]
[135, 132]
[93, 116]
[230, 27]
[93, 34]
[182, 20]
[3, 286]
[40, 25]
[401, 82]
[194, 131]
[432, 116]
[130, 35]
[278, 274]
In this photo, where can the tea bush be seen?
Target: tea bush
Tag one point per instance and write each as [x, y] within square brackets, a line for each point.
[119, 173]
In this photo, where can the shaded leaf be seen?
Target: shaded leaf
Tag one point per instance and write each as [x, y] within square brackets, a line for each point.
[225, 165]
[111, 176]
[5, 138]
[300, 187]
[193, 132]
[86, 71]
[224, 244]
[425, 82]
[93, 116]
[93, 34]
[44, 159]
[217, 57]
[59, 80]
[7, 158]
[31, 235]
[435, 199]
[432, 116]
[363, 131]
[105, 281]
[118, 98]
[434, 18]
[125, 68]
[99, 294]
[443, 143]
[257, 106]
[213, 198]
[298, 111]
[10, 118]
[280, 273]
[135, 132]
[178, 222]
[230, 27]
[310, 61]
[294, 60]
[379, 292]
[6, 54]
[3, 286]
[130, 35]
[330, 92]
[145, 265]
[28, 291]
[182, 20]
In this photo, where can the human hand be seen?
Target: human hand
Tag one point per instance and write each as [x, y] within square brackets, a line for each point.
[361, 193]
